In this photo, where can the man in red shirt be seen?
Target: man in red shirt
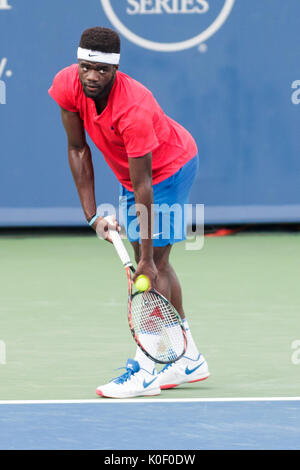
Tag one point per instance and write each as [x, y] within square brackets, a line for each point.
[155, 160]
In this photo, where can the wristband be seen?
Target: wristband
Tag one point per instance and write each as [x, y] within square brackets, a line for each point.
[93, 220]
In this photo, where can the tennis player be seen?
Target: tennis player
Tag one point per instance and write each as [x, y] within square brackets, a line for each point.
[155, 160]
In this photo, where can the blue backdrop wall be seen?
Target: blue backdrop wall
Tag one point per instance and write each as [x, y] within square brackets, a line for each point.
[227, 70]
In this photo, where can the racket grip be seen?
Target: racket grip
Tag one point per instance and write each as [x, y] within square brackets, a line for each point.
[118, 244]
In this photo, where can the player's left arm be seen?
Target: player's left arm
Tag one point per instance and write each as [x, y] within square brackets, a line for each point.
[140, 169]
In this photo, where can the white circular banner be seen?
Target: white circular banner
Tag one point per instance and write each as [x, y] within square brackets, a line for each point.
[165, 46]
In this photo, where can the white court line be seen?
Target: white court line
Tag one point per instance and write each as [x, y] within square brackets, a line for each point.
[103, 401]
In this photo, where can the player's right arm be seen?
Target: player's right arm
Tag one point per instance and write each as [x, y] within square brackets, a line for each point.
[81, 164]
[80, 161]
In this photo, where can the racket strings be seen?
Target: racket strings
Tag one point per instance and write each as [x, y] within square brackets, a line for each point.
[157, 326]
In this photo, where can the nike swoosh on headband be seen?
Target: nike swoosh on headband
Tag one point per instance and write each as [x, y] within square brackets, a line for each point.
[98, 56]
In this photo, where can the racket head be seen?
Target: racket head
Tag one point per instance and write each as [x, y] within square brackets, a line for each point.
[156, 326]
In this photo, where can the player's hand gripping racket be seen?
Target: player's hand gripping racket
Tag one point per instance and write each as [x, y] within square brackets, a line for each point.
[154, 323]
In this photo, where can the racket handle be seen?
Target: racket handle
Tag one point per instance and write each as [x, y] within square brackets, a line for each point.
[118, 244]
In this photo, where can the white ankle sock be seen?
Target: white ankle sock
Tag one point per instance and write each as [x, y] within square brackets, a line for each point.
[192, 350]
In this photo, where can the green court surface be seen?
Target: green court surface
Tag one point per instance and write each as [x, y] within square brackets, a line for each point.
[63, 317]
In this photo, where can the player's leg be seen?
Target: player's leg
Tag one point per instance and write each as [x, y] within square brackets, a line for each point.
[192, 367]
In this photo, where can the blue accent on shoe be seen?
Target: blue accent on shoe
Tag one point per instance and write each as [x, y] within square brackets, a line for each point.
[133, 365]
[166, 367]
[190, 371]
[131, 368]
[146, 384]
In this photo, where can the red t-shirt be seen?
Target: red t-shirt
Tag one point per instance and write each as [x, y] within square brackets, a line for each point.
[131, 125]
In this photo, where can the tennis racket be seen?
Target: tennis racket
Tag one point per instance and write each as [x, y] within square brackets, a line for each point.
[154, 323]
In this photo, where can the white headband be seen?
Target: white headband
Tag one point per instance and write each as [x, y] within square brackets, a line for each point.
[97, 56]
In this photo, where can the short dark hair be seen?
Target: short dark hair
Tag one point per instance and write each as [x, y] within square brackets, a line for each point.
[100, 39]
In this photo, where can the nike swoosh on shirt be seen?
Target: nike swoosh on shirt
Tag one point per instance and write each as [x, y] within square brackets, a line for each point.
[190, 371]
[146, 384]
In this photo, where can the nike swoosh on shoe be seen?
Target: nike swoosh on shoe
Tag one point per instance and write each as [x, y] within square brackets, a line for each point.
[190, 371]
[146, 384]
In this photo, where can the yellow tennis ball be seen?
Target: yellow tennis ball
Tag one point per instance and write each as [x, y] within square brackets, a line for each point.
[142, 283]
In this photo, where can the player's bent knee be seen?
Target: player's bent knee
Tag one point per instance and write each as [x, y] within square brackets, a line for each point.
[161, 257]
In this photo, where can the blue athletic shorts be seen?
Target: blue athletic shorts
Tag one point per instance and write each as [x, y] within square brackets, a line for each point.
[170, 214]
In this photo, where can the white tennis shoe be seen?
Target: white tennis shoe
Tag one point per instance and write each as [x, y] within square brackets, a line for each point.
[185, 370]
[135, 382]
